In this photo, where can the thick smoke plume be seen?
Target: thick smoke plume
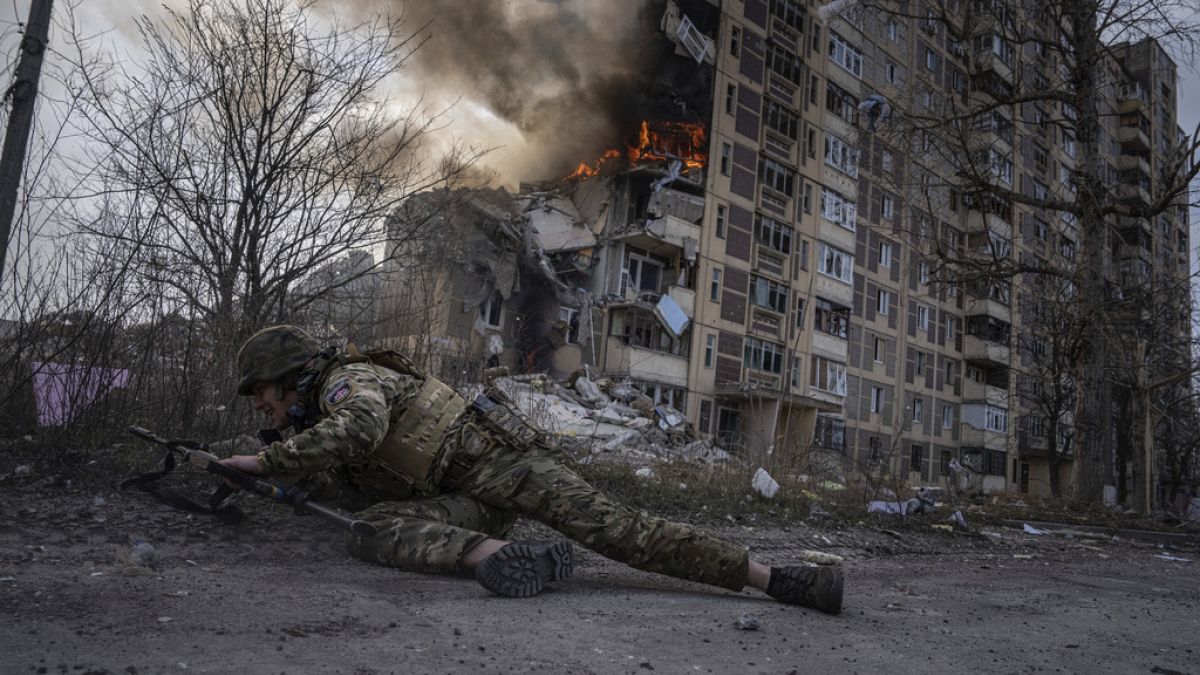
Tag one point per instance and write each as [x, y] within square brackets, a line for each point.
[566, 74]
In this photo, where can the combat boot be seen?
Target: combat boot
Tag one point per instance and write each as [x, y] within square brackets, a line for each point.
[522, 569]
[819, 587]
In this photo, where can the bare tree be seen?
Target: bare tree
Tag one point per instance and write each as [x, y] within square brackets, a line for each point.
[1061, 73]
[250, 146]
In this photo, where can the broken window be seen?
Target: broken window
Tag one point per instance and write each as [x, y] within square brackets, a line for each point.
[776, 176]
[828, 375]
[922, 318]
[885, 254]
[790, 12]
[845, 55]
[710, 349]
[914, 458]
[722, 213]
[768, 294]
[774, 234]
[491, 310]
[877, 398]
[729, 426]
[918, 410]
[830, 433]
[693, 40]
[641, 328]
[714, 289]
[705, 422]
[880, 350]
[779, 118]
[762, 355]
[730, 98]
[800, 313]
[837, 209]
[735, 41]
[643, 271]
[726, 157]
[570, 317]
[840, 155]
[840, 102]
[831, 319]
[836, 263]
[784, 63]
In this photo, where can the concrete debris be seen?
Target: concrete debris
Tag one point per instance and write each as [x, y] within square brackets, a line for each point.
[747, 622]
[763, 484]
[590, 392]
[1029, 529]
[958, 519]
[669, 419]
[22, 470]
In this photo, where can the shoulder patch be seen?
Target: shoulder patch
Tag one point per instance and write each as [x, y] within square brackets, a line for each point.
[338, 392]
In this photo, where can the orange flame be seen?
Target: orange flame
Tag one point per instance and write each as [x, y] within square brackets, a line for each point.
[684, 141]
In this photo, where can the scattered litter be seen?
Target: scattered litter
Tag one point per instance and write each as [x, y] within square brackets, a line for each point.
[22, 470]
[747, 622]
[958, 519]
[821, 558]
[943, 527]
[1022, 556]
[99, 501]
[886, 507]
[142, 554]
[191, 562]
[817, 513]
[96, 574]
[1164, 556]
[1029, 529]
[764, 484]
[165, 619]
[644, 472]
[177, 594]
[8, 580]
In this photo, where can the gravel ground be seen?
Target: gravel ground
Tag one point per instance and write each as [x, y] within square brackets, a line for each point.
[278, 594]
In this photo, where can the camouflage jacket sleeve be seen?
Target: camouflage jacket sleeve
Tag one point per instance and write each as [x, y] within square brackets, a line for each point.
[356, 402]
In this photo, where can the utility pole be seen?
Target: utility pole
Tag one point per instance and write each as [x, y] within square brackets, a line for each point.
[20, 120]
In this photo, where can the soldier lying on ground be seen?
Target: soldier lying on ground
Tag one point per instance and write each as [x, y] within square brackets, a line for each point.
[444, 479]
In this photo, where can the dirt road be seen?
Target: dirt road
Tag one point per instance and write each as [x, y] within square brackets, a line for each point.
[279, 595]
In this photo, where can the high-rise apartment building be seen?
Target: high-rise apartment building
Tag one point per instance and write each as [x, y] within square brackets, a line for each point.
[827, 309]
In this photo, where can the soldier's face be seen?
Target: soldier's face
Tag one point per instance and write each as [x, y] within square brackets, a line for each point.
[268, 402]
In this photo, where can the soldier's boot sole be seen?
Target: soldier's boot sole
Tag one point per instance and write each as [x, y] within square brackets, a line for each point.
[522, 569]
[819, 587]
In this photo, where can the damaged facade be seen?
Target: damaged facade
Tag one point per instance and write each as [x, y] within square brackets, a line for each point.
[741, 260]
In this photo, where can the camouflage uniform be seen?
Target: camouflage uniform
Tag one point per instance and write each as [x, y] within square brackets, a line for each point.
[489, 468]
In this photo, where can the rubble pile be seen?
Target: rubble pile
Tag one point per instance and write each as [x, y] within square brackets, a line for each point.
[606, 419]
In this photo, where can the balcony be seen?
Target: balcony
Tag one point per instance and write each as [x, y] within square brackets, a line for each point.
[992, 440]
[1133, 139]
[766, 323]
[685, 298]
[640, 363]
[769, 261]
[989, 61]
[831, 289]
[829, 346]
[1138, 163]
[776, 203]
[987, 306]
[984, 352]
[1032, 445]
[1133, 192]
[983, 392]
[985, 221]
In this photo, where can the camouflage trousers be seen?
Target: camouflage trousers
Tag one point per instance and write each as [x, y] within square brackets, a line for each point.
[433, 534]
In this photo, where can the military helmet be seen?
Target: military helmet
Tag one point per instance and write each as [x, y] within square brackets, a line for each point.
[273, 353]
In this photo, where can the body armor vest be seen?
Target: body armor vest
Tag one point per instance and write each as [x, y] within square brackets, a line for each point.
[408, 462]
